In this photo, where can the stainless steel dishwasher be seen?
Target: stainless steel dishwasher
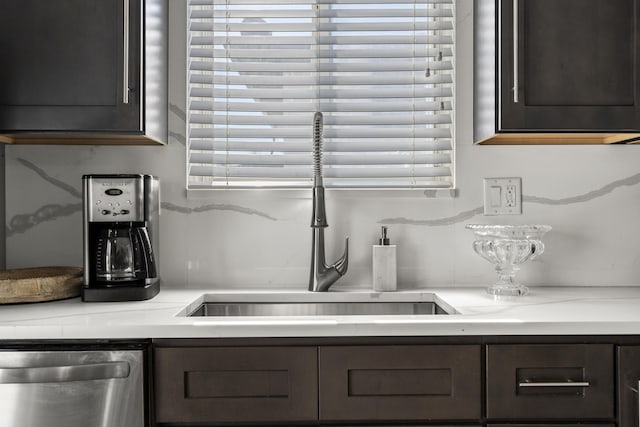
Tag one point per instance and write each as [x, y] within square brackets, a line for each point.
[93, 388]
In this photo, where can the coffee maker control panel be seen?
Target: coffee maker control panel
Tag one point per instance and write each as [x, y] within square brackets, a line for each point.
[115, 199]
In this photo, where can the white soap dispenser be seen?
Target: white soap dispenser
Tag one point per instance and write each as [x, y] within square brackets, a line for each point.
[384, 264]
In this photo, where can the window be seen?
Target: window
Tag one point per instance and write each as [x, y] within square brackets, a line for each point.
[381, 72]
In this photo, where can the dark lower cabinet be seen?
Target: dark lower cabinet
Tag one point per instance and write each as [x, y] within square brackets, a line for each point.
[236, 384]
[628, 386]
[550, 382]
[551, 425]
[403, 382]
[317, 384]
[397, 381]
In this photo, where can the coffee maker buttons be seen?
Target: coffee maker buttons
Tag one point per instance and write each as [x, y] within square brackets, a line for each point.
[124, 212]
[105, 212]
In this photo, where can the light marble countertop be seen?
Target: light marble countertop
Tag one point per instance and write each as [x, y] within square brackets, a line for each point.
[545, 311]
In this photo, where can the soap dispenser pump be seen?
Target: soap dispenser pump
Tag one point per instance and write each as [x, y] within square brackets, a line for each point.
[384, 264]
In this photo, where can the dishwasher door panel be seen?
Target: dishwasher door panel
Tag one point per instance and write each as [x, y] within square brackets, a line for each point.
[71, 389]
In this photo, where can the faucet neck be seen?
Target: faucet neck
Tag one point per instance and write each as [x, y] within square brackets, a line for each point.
[319, 218]
[322, 275]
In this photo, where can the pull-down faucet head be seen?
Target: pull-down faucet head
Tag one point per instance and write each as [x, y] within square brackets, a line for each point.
[322, 275]
[319, 218]
[317, 148]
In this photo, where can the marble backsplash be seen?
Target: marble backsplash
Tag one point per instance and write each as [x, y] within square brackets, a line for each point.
[590, 195]
[253, 238]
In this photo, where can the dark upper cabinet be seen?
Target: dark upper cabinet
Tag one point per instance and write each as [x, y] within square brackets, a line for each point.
[559, 71]
[83, 71]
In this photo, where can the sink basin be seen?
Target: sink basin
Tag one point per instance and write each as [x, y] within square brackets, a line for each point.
[318, 304]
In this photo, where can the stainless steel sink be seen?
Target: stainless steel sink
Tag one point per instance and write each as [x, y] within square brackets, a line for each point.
[312, 304]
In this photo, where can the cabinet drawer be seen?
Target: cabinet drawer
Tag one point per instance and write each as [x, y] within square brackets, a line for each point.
[236, 384]
[400, 382]
[628, 385]
[550, 425]
[550, 381]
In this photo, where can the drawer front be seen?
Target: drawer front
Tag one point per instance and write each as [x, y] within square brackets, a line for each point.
[236, 384]
[550, 425]
[550, 381]
[628, 386]
[400, 383]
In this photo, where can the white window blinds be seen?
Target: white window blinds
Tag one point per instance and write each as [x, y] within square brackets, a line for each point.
[380, 71]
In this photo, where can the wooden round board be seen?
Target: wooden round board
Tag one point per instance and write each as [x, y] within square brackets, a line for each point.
[39, 284]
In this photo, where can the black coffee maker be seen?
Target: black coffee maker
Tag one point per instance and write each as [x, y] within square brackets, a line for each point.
[120, 237]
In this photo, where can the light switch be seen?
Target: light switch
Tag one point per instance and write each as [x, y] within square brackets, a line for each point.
[503, 196]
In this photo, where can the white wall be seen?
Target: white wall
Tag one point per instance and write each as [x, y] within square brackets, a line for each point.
[220, 239]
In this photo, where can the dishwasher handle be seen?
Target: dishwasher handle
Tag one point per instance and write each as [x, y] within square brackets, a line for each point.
[61, 374]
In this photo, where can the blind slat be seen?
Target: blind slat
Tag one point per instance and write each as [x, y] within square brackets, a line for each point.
[329, 159]
[320, 40]
[295, 119]
[278, 53]
[311, 106]
[306, 2]
[302, 145]
[280, 172]
[381, 71]
[311, 13]
[328, 92]
[243, 67]
[348, 132]
[208, 182]
[321, 27]
[310, 79]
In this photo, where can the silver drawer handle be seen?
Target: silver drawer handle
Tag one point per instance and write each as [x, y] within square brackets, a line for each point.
[555, 384]
[59, 374]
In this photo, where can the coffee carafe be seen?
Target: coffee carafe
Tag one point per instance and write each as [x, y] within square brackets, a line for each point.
[124, 254]
[120, 237]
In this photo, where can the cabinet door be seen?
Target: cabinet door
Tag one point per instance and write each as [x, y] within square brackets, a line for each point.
[576, 63]
[628, 386]
[65, 65]
[552, 382]
[235, 384]
[550, 425]
[403, 382]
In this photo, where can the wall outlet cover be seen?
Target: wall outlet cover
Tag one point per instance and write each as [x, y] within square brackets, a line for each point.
[503, 196]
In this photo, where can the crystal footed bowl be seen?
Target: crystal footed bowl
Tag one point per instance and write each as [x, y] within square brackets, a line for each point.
[508, 246]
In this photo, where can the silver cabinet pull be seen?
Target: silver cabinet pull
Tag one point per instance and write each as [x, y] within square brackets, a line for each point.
[555, 384]
[58, 374]
[515, 52]
[125, 58]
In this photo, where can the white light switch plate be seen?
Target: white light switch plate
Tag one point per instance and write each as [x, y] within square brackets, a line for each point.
[503, 196]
